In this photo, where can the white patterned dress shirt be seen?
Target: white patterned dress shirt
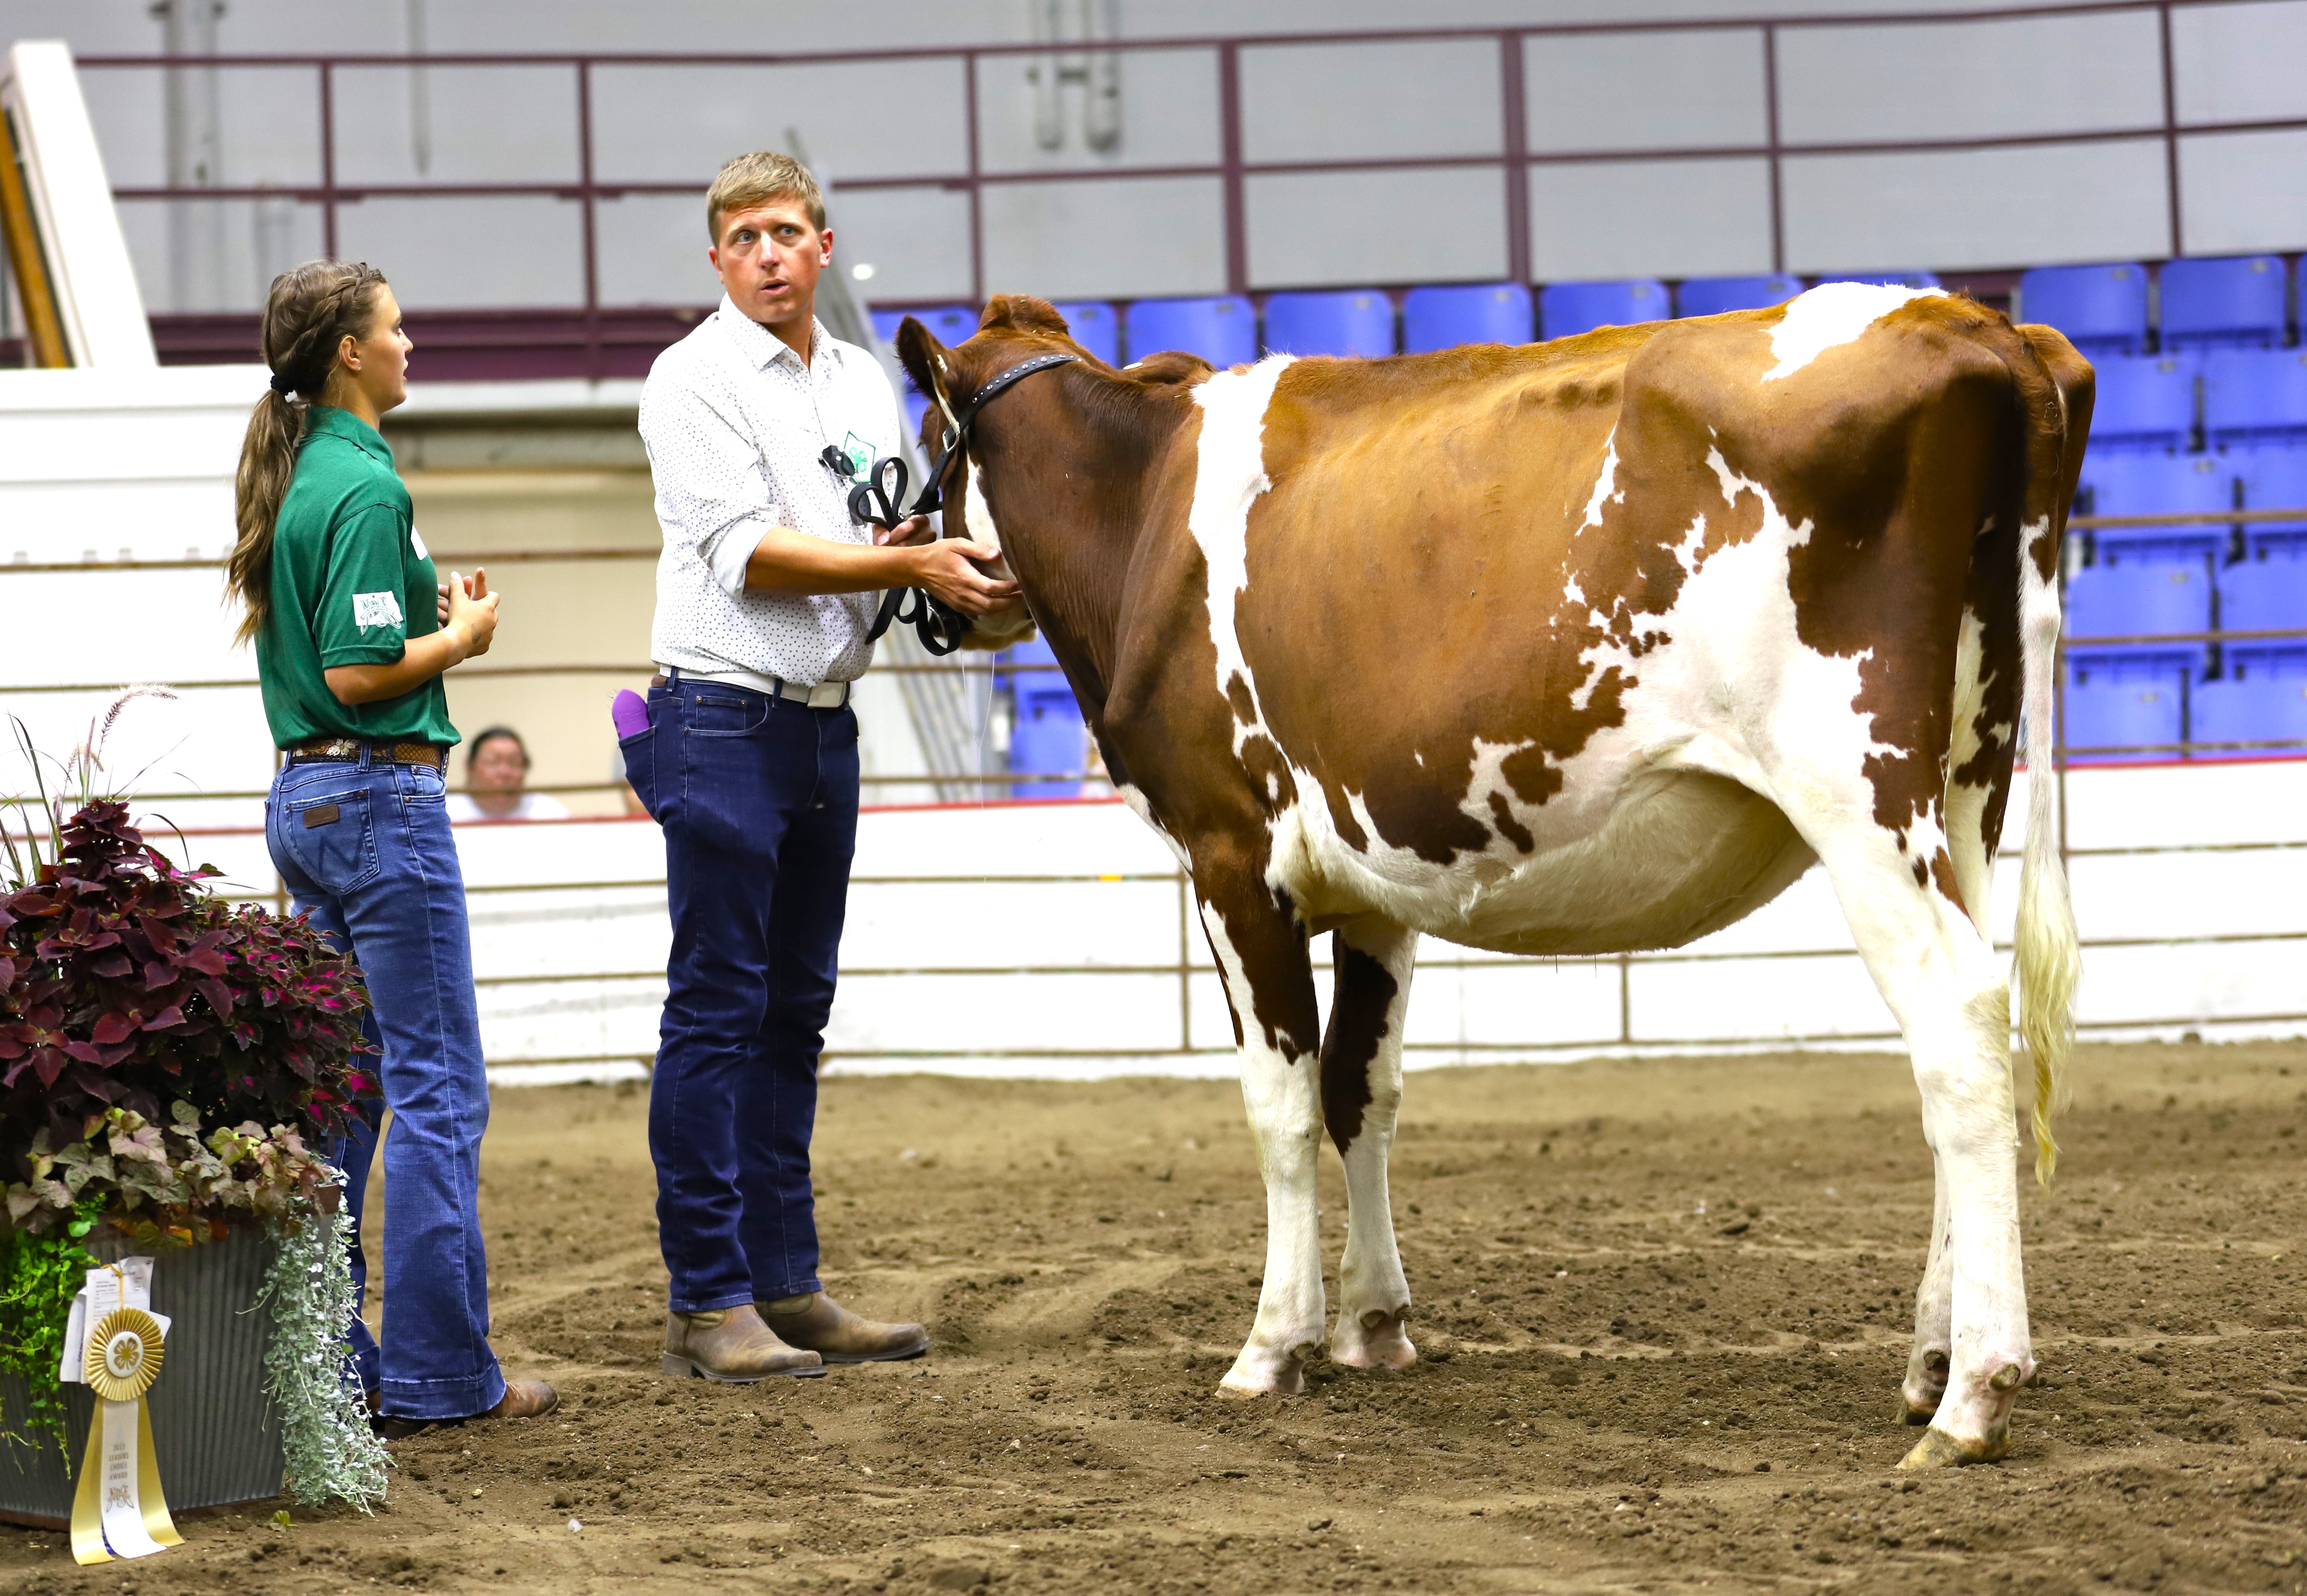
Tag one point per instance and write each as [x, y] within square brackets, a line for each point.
[735, 427]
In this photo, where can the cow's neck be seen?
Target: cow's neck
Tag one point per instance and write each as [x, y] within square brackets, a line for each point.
[1065, 481]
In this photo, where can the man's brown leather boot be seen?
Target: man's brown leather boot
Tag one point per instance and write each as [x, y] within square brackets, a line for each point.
[838, 1335]
[731, 1344]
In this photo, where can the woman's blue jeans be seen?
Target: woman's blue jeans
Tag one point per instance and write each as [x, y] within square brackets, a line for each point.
[366, 850]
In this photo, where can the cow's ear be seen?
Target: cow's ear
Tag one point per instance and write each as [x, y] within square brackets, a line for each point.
[924, 360]
[1024, 313]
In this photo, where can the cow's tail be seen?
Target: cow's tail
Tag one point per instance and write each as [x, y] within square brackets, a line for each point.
[2057, 386]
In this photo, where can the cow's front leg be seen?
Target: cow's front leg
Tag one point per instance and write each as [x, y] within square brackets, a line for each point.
[1261, 953]
[1361, 1092]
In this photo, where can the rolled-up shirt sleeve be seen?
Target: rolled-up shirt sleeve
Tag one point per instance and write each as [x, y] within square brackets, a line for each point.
[710, 476]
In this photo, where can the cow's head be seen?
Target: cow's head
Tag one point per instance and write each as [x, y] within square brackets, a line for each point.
[1013, 327]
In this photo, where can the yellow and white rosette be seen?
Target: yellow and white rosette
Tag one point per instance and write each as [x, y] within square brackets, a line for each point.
[118, 1509]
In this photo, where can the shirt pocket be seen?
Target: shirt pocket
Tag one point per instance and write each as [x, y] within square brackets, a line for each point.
[332, 838]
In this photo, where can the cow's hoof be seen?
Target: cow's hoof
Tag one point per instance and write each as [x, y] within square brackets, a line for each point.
[1379, 1339]
[1925, 1386]
[1268, 1374]
[1939, 1450]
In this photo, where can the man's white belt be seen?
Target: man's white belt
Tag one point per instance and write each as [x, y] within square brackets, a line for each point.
[824, 695]
[821, 695]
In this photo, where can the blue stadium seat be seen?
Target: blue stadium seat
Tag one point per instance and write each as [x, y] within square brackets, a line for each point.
[2277, 479]
[2236, 301]
[1095, 328]
[951, 323]
[1047, 735]
[1565, 309]
[1222, 331]
[2140, 599]
[2254, 397]
[1895, 280]
[2265, 595]
[1711, 296]
[2101, 309]
[2124, 485]
[2145, 402]
[1345, 322]
[1443, 317]
[2265, 707]
[2126, 706]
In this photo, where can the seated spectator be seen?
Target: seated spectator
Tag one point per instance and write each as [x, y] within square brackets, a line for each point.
[496, 767]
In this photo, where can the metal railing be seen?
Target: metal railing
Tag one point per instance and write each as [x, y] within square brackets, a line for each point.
[600, 326]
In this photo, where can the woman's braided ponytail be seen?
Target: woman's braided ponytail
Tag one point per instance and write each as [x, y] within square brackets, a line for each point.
[310, 310]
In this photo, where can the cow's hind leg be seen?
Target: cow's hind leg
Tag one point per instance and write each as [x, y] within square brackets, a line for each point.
[1361, 1092]
[1940, 979]
[1927, 1365]
[1261, 952]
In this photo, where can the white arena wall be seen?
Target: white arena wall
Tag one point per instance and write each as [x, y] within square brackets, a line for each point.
[1048, 939]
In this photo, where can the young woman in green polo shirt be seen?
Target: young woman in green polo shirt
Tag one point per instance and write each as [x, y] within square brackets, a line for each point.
[352, 633]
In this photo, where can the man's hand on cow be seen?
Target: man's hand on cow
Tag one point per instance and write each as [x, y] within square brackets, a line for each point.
[946, 568]
[912, 529]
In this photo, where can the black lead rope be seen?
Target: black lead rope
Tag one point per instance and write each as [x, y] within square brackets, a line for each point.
[876, 500]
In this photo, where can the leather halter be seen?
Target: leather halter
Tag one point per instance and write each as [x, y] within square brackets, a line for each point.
[875, 501]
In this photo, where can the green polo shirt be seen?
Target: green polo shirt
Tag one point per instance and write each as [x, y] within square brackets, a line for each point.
[351, 584]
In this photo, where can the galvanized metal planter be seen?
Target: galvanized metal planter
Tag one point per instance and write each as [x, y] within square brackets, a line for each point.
[218, 1439]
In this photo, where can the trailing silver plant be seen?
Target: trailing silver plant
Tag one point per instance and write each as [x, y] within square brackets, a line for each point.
[325, 1440]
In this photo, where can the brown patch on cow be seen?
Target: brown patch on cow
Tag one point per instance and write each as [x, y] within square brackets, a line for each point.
[1943, 874]
[1269, 773]
[1342, 816]
[1242, 700]
[1366, 991]
[1502, 815]
[1922, 871]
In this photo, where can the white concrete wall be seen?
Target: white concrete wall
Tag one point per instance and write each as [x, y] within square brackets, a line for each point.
[1125, 235]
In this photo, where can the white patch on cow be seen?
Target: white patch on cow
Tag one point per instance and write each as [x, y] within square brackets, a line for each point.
[979, 513]
[1135, 799]
[1966, 821]
[1830, 315]
[1605, 485]
[1285, 1117]
[1229, 475]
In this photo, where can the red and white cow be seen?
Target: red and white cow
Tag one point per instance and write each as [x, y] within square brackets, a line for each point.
[1577, 648]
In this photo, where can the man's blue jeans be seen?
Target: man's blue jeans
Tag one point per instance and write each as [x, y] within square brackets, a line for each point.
[364, 849]
[757, 797]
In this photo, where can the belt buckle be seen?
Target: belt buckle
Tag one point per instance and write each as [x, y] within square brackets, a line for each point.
[829, 695]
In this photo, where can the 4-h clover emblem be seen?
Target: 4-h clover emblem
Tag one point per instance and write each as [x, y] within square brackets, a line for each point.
[861, 456]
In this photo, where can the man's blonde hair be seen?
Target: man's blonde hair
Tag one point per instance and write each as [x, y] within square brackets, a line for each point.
[764, 175]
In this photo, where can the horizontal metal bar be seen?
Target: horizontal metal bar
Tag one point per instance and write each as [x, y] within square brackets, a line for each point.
[578, 193]
[2090, 523]
[1597, 1045]
[1499, 962]
[1371, 36]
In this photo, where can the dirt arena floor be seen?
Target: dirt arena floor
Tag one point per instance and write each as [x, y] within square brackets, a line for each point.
[1663, 1308]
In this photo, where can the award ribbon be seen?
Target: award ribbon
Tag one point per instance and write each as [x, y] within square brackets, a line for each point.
[118, 1509]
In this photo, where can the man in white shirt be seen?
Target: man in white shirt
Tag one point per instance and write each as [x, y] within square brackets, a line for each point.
[765, 593]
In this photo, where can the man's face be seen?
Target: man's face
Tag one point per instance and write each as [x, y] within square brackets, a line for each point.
[768, 257]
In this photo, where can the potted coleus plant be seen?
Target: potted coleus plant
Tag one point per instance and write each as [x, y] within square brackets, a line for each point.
[172, 1066]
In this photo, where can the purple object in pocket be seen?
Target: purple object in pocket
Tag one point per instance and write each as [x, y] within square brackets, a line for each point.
[630, 712]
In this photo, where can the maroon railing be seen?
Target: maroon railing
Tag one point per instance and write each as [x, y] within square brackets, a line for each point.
[590, 338]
